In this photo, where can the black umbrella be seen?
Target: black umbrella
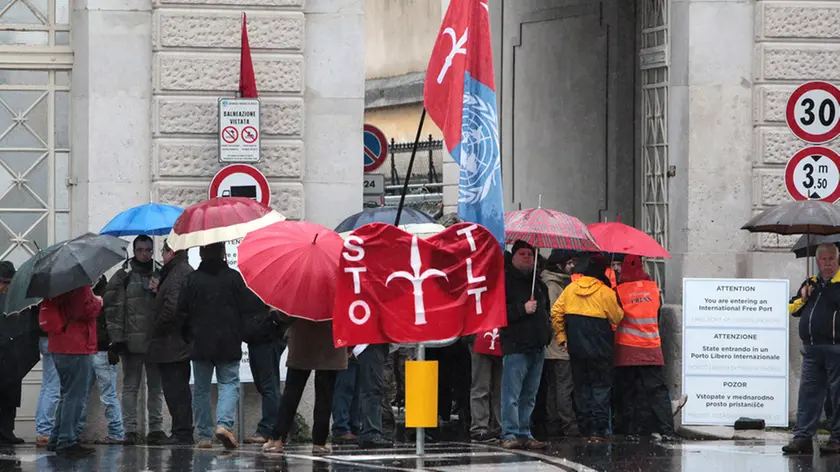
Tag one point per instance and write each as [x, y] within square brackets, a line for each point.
[77, 262]
[803, 248]
[799, 217]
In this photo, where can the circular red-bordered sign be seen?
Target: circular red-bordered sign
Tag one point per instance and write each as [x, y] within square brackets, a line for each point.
[250, 134]
[375, 148]
[240, 180]
[230, 134]
[813, 112]
[814, 174]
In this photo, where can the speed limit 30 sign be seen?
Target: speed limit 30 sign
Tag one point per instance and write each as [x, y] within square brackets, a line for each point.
[813, 112]
[814, 174]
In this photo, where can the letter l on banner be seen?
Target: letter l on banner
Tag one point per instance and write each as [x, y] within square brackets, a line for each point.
[460, 98]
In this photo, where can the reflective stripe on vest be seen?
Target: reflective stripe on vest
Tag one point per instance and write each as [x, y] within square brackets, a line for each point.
[640, 326]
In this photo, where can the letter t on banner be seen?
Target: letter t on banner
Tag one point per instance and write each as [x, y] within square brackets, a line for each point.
[247, 80]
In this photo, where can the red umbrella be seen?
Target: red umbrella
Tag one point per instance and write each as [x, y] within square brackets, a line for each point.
[219, 220]
[619, 238]
[293, 266]
[548, 229]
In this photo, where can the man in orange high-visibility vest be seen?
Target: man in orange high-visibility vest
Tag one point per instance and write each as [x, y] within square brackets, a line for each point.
[643, 404]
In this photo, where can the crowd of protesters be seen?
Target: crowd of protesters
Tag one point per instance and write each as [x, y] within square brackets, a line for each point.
[578, 329]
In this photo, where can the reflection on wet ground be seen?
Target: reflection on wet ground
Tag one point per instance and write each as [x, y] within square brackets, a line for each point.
[569, 455]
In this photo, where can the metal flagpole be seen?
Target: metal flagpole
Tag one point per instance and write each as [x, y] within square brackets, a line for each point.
[410, 166]
[421, 432]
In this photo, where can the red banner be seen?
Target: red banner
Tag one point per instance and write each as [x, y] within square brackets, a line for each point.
[398, 288]
[488, 343]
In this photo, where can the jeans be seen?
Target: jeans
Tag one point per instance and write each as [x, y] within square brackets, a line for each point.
[264, 359]
[371, 388]
[295, 383]
[50, 392]
[227, 379]
[345, 406]
[820, 373]
[175, 380]
[74, 373]
[133, 367]
[105, 375]
[485, 394]
[520, 383]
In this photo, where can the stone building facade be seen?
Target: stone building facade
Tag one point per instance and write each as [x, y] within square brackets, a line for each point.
[125, 112]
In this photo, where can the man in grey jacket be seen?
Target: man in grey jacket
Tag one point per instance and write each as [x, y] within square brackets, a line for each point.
[130, 314]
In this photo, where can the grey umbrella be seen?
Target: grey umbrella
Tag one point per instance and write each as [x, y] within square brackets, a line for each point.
[75, 263]
[799, 217]
[807, 244]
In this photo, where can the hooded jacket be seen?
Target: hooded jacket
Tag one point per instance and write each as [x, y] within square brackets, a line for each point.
[583, 316]
[524, 332]
[214, 302]
[78, 311]
[819, 322]
[556, 282]
[168, 344]
[130, 306]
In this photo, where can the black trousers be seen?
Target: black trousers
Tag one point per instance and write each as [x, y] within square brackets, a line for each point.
[643, 403]
[175, 380]
[593, 380]
[289, 402]
[7, 422]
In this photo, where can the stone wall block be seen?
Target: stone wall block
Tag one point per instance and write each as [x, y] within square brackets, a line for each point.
[776, 145]
[799, 62]
[199, 116]
[771, 183]
[191, 158]
[793, 20]
[220, 73]
[238, 3]
[287, 198]
[770, 103]
[222, 29]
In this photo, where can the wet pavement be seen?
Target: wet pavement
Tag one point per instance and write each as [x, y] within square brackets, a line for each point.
[572, 455]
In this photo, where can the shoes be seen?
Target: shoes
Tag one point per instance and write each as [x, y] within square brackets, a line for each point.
[109, 441]
[533, 445]
[273, 446]
[42, 441]
[669, 438]
[76, 450]
[205, 444]
[376, 443]
[678, 404]
[321, 450]
[512, 443]
[830, 448]
[11, 441]
[597, 439]
[155, 437]
[255, 439]
[799, 446]
[348, 438]
[176, 441]
[130, 439]
[227, 439]
[484, 438]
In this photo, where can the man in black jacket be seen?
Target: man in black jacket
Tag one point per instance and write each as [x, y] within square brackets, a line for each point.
[523, 343]
[816, 304]
[169, 350]
[214, 302]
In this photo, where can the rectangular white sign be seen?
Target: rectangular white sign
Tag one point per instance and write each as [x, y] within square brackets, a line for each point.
[735, 351]
[239, 130]
[374, 184]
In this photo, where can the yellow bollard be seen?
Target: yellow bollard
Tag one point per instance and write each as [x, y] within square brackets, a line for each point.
[421, 394]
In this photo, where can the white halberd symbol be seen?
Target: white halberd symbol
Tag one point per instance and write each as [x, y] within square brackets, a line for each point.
[493, 335]
[416, 280]
[456, 49]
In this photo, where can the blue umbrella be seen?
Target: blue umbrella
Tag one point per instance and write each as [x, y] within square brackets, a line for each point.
[151, 219]
[383, 215]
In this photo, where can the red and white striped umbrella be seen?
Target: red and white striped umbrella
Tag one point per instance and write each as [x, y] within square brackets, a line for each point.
[219, 220]
[551, 229]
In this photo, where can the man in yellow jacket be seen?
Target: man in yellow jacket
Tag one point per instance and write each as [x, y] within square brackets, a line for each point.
[582, 318]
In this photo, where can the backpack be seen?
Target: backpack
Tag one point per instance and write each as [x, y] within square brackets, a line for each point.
[50, 319]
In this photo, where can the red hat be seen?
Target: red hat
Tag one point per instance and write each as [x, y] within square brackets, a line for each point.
[632, 270]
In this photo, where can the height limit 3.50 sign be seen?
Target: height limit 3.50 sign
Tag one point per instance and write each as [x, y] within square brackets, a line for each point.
[239, 130]
[814, 174]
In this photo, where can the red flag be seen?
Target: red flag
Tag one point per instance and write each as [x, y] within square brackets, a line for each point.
[247, 80]
[397, 288]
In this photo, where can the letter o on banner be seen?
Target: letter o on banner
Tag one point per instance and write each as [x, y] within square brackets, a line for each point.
[352, 312]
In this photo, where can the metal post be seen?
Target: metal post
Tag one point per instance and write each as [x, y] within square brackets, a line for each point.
[421, 432]
[410, 165]
[240, 413]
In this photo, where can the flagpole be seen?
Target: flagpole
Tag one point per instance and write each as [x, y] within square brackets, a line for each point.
[410, 166]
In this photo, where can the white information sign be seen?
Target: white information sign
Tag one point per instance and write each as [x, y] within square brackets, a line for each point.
[244, 367]
[239, 130]
[735, 351]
